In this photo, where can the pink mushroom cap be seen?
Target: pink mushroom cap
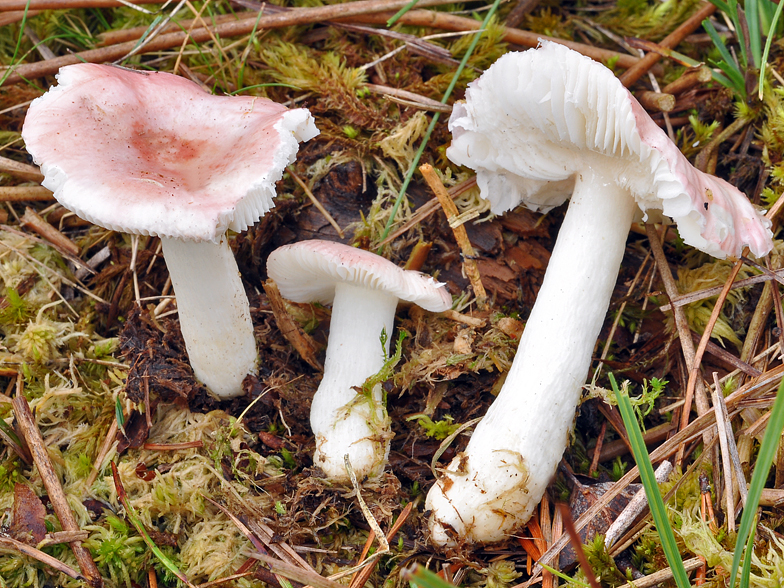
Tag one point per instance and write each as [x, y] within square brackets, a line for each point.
[152, 153]
[536, 119]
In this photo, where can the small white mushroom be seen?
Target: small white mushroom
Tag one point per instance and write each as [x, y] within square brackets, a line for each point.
[153, 154]
[364, 290]
[538, 127]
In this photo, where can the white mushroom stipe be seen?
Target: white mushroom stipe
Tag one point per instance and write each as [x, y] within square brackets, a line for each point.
[537, 127]
[343, 421]
[151, 153]
[213, 311]
[364, 290]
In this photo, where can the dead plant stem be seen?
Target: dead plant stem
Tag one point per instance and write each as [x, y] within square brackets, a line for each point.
[201, 35]
[461, 236]
[20, 5]
[52, 484]
[684, 334]
[451, 22]
[324, 212]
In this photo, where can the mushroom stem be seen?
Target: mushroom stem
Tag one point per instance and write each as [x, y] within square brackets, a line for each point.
[214, 313]
[344, 421]
[492, 488]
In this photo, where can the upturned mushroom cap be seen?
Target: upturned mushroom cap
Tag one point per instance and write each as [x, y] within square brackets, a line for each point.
[154, 154]
[308, 271]
[536, 119]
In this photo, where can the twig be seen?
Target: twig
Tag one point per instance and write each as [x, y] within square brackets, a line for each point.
[523, 7]
[52, 484]
[427, 209]
[597, 450]
[7, 18]
[451, 22]
[173, 446]
[33, 221]
[577, 544]
[410, 98]
[731, 446]
[634, 508]
[694, 365]
[25, 193]
[23, 171]
[245, 26]
[672, 40]
[684, 299]
[371, 520]
[725, 355]
[244, 529]
[45, 558]
[722, 425]
[662, 575]
[292, 572]
[9, 5]
[682, 325]
[461, 236]
[464, 318]
[63, 537]
[108, 441]
[363, 575]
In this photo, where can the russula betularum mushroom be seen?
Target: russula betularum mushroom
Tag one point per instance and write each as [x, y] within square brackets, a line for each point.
[151, 153]
[364, 289]
[539, 126]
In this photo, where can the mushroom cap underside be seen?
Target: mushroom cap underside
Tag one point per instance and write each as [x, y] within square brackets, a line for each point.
[154, 154]
[536, 119]
[308, 271]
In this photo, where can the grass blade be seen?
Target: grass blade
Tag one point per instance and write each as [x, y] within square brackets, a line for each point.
[658, 510]
[719, 43]
[130, 512]
[764, 460]
[401, 12]
[755, 40]
[768, 42]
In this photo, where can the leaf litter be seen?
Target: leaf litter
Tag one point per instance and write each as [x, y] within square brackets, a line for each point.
[109, 383]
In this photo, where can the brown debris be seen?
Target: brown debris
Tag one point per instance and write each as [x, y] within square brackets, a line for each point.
[307, 348]
[27, 522]
[156, 353]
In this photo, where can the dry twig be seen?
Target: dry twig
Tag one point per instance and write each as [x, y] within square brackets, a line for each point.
[52, 484]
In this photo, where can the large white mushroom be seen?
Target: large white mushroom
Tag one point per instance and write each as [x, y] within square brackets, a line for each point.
[538, 127]
[364, 289]
[153, 154]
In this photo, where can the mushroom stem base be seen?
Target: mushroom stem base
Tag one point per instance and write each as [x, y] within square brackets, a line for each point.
[214, 313]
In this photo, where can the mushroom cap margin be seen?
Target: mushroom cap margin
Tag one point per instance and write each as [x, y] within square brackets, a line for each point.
[308, 271]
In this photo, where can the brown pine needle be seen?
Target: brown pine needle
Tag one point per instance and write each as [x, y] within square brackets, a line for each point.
[316, 203]
[577, 544]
